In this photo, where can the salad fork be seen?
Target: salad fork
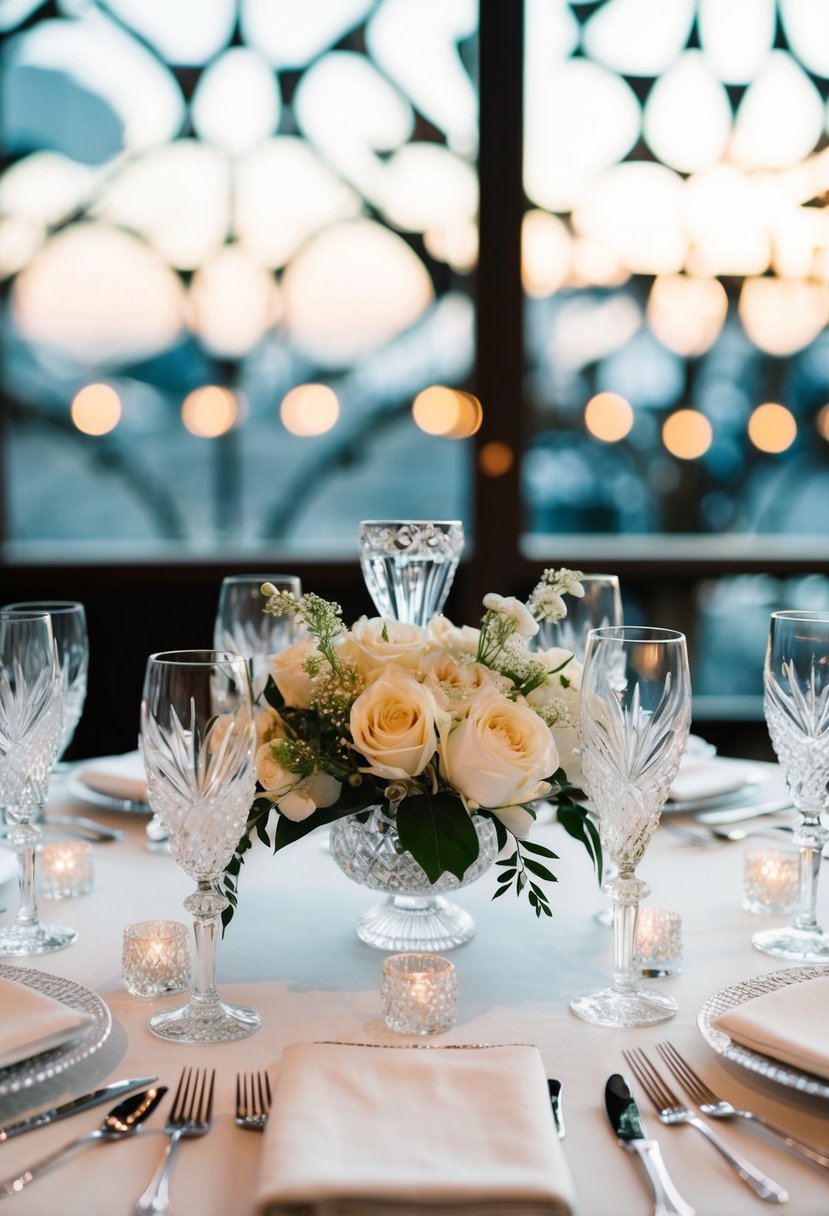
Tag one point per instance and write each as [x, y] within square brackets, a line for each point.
[190, 1115]
[710, 1104]
[253, 1100]
[670, 1110]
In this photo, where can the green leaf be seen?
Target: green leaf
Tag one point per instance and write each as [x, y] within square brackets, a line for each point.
[439, 833]
[507, 876]
[540, 871]
[273, 696]
[287, 831]
[578, 824]
[532, 846]
[501, 891]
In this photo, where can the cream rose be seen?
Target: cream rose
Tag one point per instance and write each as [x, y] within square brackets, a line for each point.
[451, 681]
[297, 797]
[463, 639]
[563, 688]
[269, 725]
[378, 640]
[499, 754]
[393, 725]
[290, 676]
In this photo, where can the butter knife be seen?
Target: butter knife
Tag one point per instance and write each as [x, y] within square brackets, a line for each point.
[626, 1122]
[73, 1107]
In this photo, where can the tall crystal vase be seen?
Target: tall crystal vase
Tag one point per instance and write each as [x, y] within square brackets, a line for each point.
[409, 564]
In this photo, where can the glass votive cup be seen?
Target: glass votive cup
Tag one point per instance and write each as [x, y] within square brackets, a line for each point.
[419, 993]
[771, 881]
[156, 958]
[65, 869]
[658, 944]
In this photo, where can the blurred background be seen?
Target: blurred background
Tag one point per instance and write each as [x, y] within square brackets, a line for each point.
[559, 270]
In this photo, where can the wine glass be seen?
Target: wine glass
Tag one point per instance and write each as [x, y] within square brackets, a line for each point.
[796, 684]
[243, 626]
[69, 629]
[635, 712]
[31, 727]
[599, 608]
[408, 565]
[197, 739]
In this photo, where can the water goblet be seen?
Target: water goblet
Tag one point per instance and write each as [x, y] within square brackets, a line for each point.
[69, 628]
[31, 728]
[243, 626]
[635, 713]
[408, 565]
[796, 686]
[197, 738]
[599, 608]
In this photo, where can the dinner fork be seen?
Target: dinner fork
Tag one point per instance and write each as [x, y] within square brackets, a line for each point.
[190, 1115]
[710, 1104]
[670, 1110]
[253, 1100]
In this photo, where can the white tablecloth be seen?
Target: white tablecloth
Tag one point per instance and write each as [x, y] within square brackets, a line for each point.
[292, 952]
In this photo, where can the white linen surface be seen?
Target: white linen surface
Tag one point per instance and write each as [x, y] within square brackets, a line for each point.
[117, 776]
[788, 1024]
[31, 1022]
[396, 1130]
[710, 776]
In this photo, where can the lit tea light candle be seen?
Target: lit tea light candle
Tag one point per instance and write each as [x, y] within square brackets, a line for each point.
[658, 948]
[419, 993]
[771, 881]
[156, 958]
[65, 869]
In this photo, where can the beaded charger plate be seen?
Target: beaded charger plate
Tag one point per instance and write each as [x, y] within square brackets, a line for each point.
[765, 1066]
[47, 1064]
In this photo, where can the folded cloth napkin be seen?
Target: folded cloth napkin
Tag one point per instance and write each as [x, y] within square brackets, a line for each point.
[788, 1024]
[708, 777]
[31, 1022]
[393, 1131]
[118, 776]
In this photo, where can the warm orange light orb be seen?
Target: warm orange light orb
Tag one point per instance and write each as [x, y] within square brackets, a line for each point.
[495, 459]
[309, 409]
[608, 416]
[96, 409]
[209, 412]
[772, 428]
[687, 434]
[447, 412]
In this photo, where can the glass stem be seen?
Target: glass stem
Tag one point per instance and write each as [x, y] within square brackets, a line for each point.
[24, 838]
[810, 836]
[205, 904]
[626, 890]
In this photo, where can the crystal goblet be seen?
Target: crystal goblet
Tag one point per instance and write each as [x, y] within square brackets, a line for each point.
[242, 625]
[197, 739]
[599, 608]
[635, 712]
[69, 629]
[31, 728]
[796, 685]
[408, 565]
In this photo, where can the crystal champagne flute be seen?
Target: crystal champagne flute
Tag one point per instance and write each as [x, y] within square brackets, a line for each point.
[635, 712]
[409, 564]
[599, 608]
[243, 626]
[197, 739]
[31, 728]
[796, 684]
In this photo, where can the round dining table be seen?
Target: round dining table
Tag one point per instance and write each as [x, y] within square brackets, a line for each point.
[291, 952]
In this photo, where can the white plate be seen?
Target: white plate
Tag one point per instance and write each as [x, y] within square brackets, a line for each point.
[47, 1064]
[764, 1066]
[77, 788]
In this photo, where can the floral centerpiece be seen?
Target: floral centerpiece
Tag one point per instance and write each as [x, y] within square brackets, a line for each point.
[441, 724]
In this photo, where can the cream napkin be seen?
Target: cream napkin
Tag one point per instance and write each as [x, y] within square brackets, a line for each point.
[788, 1024]
[709, 777]
[118, 776]
[393, 1131]
[31, 1022]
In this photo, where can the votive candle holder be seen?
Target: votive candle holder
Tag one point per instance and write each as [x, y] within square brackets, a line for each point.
[419, 993]
[156, 958]
[66, 869]
[658, 943]
[771, 881]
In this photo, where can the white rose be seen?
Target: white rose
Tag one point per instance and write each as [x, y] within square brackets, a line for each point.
[269, 725]
[562, 687]
[379, 641]
[499, 754]
[393, 725]
[297, 797]
[452, 682]
[463, 640]
[526, 626]
[290, 676]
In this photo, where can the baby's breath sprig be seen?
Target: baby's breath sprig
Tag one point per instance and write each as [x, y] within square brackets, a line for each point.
[546, 602]
[323, 618]
[504, 617]
[297, 755]
[336, 691]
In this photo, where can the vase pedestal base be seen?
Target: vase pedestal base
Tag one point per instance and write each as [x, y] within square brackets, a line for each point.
[427, 923]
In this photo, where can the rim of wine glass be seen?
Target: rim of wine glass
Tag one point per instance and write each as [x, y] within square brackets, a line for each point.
[23, 614]
[455, 523]
[255, 578]
[44, 607]
[187, 658]
[801, 614]
[636, 633]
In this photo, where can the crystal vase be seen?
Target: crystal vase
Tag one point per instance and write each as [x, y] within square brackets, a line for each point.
[415, 915]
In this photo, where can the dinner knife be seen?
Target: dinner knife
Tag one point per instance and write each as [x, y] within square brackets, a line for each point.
[73, 1107]
[626, 1122]
[554, 1086]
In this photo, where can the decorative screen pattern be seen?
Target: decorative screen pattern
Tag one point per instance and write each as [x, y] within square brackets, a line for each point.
[676, 266]
[236, 241]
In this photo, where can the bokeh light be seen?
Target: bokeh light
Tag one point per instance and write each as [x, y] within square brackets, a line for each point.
[823, 423]
[309, 409]
[209, 411]
[608, 416]
[495, 459]
[687, 434]
[96, 409]
[447, 412]
[772, 428]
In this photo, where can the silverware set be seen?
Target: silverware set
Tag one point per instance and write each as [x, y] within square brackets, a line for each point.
[190, 1116]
